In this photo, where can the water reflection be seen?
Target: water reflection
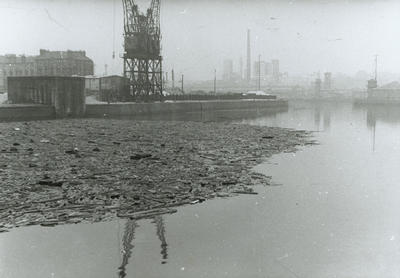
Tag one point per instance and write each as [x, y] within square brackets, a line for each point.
[127, 246]
[327, 119]
[377, 117]
[129, 236]
[371, 124]
[209, 116]
[324, 116]
[158, 220]
[383, 113]
[317, 117]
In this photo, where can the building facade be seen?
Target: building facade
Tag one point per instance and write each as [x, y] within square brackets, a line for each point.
[227, 73]
[114, 88]
[47, 63]
[92, 85]
[260, 69]
[275, 70]
[384, 95]
[327, 80]
[66, 94]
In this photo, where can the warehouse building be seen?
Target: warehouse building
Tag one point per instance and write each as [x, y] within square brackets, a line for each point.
[47, 63]
[114, 88]
[65, 94]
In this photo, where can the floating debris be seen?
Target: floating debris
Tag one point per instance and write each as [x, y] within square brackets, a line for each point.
[139, 156]
[124, 168]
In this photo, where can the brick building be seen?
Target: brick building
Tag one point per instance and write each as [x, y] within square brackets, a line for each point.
[47, 63]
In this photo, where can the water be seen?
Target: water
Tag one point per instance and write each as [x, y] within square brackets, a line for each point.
[333, 212]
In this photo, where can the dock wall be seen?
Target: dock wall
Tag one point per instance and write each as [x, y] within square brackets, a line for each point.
[33, 111]
[132, 109]
[376, 101]
[26, 112]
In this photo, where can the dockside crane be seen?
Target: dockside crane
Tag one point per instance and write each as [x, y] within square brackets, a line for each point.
[142, 51]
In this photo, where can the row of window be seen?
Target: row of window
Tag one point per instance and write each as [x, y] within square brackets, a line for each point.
[51, 71]
[47, 68]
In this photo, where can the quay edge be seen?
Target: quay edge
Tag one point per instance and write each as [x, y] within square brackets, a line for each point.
[33, 111]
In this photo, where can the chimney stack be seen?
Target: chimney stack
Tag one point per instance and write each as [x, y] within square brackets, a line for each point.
[248, 69]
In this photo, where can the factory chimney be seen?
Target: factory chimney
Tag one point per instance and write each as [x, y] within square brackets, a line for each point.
[248, 69]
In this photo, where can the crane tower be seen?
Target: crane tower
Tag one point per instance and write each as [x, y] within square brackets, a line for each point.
[142, 51]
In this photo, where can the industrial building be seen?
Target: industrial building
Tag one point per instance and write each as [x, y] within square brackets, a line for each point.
[327, 80]
[260, 69]
[111, 88]
[388, 93]
[47, 63]
[240, 68]
[114, 88]
[92, 85]
[268, 68]
[384, 95]
[317, 87]
[275, 70]
[65, 94]
[63, 63]
[227, 73]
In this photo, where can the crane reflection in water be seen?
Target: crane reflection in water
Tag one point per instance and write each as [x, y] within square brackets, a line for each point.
[127, 242]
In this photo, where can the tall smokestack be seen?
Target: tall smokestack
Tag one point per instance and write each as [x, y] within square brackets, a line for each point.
[248, 69]
[173, 78]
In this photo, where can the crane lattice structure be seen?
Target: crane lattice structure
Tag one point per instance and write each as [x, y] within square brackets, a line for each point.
[142, 51]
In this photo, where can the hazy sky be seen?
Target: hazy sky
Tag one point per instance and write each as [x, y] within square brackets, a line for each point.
[306, 35]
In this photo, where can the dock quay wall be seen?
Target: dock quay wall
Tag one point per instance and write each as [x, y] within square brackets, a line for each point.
[33, 111]
[14, 112]
[132, 109]
[376, 101]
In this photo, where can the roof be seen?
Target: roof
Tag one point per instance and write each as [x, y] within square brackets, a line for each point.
[45, 77]
[69, 54]
[44, 55]
[113, 76]
[14, 59]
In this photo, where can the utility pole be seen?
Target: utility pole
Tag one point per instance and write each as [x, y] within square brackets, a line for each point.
[105, 69]
[113, 54]
[215, 81]
[259, 72]
[182, 85]
[376, 68]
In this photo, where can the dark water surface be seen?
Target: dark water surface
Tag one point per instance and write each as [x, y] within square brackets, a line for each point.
[334, 212]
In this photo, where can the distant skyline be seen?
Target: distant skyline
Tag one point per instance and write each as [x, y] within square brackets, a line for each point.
[306, 36]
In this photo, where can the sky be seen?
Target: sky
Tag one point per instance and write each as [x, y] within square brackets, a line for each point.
[307, 36]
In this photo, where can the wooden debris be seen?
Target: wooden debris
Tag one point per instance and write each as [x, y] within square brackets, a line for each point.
[97, 169]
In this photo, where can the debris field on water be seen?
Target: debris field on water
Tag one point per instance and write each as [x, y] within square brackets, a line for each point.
[74, 170]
